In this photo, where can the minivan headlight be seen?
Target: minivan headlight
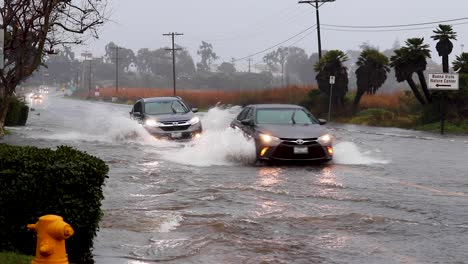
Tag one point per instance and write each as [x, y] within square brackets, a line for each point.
[325, 139]
[194, 120]
[152, 123]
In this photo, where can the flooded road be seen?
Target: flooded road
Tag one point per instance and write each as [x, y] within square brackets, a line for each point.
[389, 196]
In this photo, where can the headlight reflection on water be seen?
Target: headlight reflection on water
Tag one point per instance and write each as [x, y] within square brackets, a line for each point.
[268, 177]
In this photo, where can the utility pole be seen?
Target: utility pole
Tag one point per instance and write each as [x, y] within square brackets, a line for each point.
[317, 4]
[173, 34]
[117, 58]
[90, 68]
[250, 61]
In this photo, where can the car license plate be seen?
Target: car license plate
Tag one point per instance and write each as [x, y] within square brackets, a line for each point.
[301, 150]
[176, 135]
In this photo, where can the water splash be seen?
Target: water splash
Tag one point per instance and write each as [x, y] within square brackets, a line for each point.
[219, 147]
[349, 154]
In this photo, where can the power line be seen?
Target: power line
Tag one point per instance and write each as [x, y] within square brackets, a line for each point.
[384, 30]
[402, 25]
[258, 28]
[276, 45]
[317, 4]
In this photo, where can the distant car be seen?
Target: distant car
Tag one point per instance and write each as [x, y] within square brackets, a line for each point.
[285, 132]
[167, 117]
[37, 97]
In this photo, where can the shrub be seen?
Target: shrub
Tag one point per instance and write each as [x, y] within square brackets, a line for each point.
[37, 182]
[24, 112]
[17, 112]
[14, 112]
[374, 117]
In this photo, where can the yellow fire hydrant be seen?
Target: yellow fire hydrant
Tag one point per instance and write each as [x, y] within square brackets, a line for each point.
[51, 234]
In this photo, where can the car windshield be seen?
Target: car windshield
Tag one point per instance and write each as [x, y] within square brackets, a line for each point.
[165, 107]
[284, 117]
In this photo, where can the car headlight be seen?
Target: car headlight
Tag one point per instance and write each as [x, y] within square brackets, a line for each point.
[152, 123]
[194, 120]
[267, 139]
[325, 139]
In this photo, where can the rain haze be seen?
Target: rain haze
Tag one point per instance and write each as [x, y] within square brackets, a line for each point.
[237, 29]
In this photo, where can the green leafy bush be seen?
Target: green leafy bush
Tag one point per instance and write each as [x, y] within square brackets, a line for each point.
[374, 117]
[17, 112]
[37, 182]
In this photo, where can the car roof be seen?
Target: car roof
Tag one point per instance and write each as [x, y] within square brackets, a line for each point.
[275, 106]
[159, 99]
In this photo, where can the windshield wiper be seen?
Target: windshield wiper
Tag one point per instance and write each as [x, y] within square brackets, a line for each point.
[292, 118]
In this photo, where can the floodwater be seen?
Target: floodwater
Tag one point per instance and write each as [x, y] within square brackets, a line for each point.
[389, 196]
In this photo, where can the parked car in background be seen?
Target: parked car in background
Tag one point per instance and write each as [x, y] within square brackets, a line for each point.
[167, 118]
[285, 132]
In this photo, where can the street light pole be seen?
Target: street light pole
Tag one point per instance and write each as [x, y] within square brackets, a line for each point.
[317, 4]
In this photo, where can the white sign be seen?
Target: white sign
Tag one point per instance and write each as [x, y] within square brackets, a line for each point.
[332, 79]
[2, 40]
[443, 81]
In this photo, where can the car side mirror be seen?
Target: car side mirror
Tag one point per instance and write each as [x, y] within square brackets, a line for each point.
[247, 122]
[195, 110]
[322, 121]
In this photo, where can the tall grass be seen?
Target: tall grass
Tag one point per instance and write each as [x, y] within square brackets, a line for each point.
[208, 98]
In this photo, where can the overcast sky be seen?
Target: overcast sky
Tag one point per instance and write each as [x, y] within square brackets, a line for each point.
[238, 28]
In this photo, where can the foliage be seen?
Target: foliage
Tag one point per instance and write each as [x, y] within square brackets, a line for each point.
[317, 102]
[460, 64]
[372, 72]
[411, 59]
[14, 258]
[227, 68]
[17, 114]
[37, 182]
[205, 51]
[443, 34]
[457, 127]
[33, 29]
[331, 64]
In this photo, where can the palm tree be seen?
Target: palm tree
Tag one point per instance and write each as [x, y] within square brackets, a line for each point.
[412, 59]
[331, 64]
[460, 64]
[444, 33]
[371, 73]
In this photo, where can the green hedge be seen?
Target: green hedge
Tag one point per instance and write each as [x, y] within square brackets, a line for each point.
[17, 114]
[36, 182]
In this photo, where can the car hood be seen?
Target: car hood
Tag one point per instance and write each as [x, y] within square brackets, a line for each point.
[293, 131]
[172, 117]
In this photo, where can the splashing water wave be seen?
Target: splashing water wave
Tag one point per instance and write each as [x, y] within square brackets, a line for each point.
[347, 153]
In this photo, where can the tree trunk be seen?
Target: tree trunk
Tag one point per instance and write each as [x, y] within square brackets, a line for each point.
[422, 80]
[415, 91]
[445, 63]
[357, 97]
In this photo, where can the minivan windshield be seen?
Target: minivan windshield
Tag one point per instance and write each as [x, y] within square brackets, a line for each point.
[165, 107]
[284, 117]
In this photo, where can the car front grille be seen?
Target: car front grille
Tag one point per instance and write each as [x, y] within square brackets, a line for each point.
[284, 151]
[306, 142]
[175, 128]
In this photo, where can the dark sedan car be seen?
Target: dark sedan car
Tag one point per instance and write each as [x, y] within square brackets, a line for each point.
[285, 132]
[167, 117]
